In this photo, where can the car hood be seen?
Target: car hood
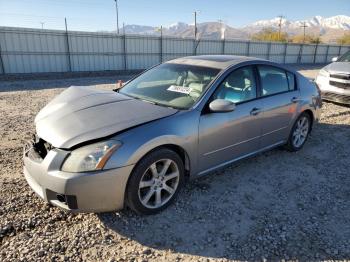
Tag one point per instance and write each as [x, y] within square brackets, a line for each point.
[338, 67]
[81, 114]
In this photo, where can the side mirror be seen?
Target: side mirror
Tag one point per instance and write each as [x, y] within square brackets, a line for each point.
[335, 59]
[221, 105]
[120, 84]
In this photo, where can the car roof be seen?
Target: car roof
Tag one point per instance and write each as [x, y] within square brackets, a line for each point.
[214, 61]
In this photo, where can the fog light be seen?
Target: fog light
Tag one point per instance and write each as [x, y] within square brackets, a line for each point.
[61, 198]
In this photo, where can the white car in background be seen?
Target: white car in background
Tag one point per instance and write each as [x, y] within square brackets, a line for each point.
[334, 80]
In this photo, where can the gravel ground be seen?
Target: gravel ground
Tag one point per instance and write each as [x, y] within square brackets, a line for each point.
[278, 205]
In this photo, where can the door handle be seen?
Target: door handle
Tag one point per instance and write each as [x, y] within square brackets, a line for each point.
[255, 111]
[295, 99]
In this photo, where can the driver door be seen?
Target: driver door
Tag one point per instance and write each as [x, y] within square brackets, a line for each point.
[224, 137]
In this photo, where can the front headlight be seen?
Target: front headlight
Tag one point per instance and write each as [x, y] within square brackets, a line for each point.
[324, 73]
[91, 157]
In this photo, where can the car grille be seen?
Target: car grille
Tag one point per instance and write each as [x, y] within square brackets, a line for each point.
[340, 76]
[339, 84]
[336, 97]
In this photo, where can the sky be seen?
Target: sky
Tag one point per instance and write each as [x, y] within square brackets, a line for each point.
[101, 14]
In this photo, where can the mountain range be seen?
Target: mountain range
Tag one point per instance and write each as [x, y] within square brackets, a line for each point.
[329, 28]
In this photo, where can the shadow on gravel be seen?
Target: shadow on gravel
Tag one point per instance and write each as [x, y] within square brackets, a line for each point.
[278, 205]
[26, 85]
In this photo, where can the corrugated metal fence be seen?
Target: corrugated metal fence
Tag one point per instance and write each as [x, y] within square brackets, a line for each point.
[34, 50]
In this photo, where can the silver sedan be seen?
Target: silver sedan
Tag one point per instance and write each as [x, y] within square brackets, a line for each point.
[97, 150]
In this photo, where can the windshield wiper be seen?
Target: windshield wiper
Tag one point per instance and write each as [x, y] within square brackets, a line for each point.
[153, 102]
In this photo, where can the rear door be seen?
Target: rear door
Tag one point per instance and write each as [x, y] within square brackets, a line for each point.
[279, 96]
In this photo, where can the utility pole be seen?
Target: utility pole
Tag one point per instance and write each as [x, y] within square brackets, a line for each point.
[195, 24]
[123, 28]
[222, 35]
[116, 9]
[222, 29]
[280, 26]
[68, 48]
[42, 25]
[304, 27]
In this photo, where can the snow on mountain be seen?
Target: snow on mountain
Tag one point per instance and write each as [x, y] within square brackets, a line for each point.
[270, 23]
[177, 26]
[337, 22]
[328, 28]
[334, 22]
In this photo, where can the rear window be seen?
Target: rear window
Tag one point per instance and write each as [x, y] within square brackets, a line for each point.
[273, 80]
[291, 81]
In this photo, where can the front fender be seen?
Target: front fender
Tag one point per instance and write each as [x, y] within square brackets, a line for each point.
[180, 130]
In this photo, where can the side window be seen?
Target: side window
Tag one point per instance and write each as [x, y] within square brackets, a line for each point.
[291, 81]
[273, 80]
[238, 86]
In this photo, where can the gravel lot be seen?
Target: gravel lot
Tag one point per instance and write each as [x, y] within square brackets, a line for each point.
[278, 205]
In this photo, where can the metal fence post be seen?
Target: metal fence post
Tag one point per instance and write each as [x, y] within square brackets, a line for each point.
[268, 50]
[300, 53]
[2, 66]
[223, 46]
[161, 45]
[124, 51]
[248, 48]
[327, 51]
[194, 47]
[315, 53]
[285, 53]
[68, 48]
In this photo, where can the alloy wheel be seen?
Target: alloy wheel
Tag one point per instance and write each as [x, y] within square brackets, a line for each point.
[158, 183]
[300, 132]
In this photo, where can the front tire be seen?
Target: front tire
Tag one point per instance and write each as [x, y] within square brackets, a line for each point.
[299, 133]
[155, 182]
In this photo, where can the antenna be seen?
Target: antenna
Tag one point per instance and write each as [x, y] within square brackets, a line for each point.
[304, 27]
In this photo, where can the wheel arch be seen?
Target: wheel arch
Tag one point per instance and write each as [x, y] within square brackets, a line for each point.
[311, 115]
[175, 148]
[178, 150]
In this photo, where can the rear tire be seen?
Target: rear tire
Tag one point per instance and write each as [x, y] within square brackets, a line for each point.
[155, 182]
[299, 133]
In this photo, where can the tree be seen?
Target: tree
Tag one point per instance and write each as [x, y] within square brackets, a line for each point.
[309, 39]
[270, 35]
[344, 40]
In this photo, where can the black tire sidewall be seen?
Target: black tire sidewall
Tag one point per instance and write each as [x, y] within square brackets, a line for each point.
[290, 144]
[132, 198]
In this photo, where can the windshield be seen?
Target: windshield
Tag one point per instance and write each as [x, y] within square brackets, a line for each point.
[345, 57]
[173, 85]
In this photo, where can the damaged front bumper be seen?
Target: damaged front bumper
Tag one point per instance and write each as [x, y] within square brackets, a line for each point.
[96, 191]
